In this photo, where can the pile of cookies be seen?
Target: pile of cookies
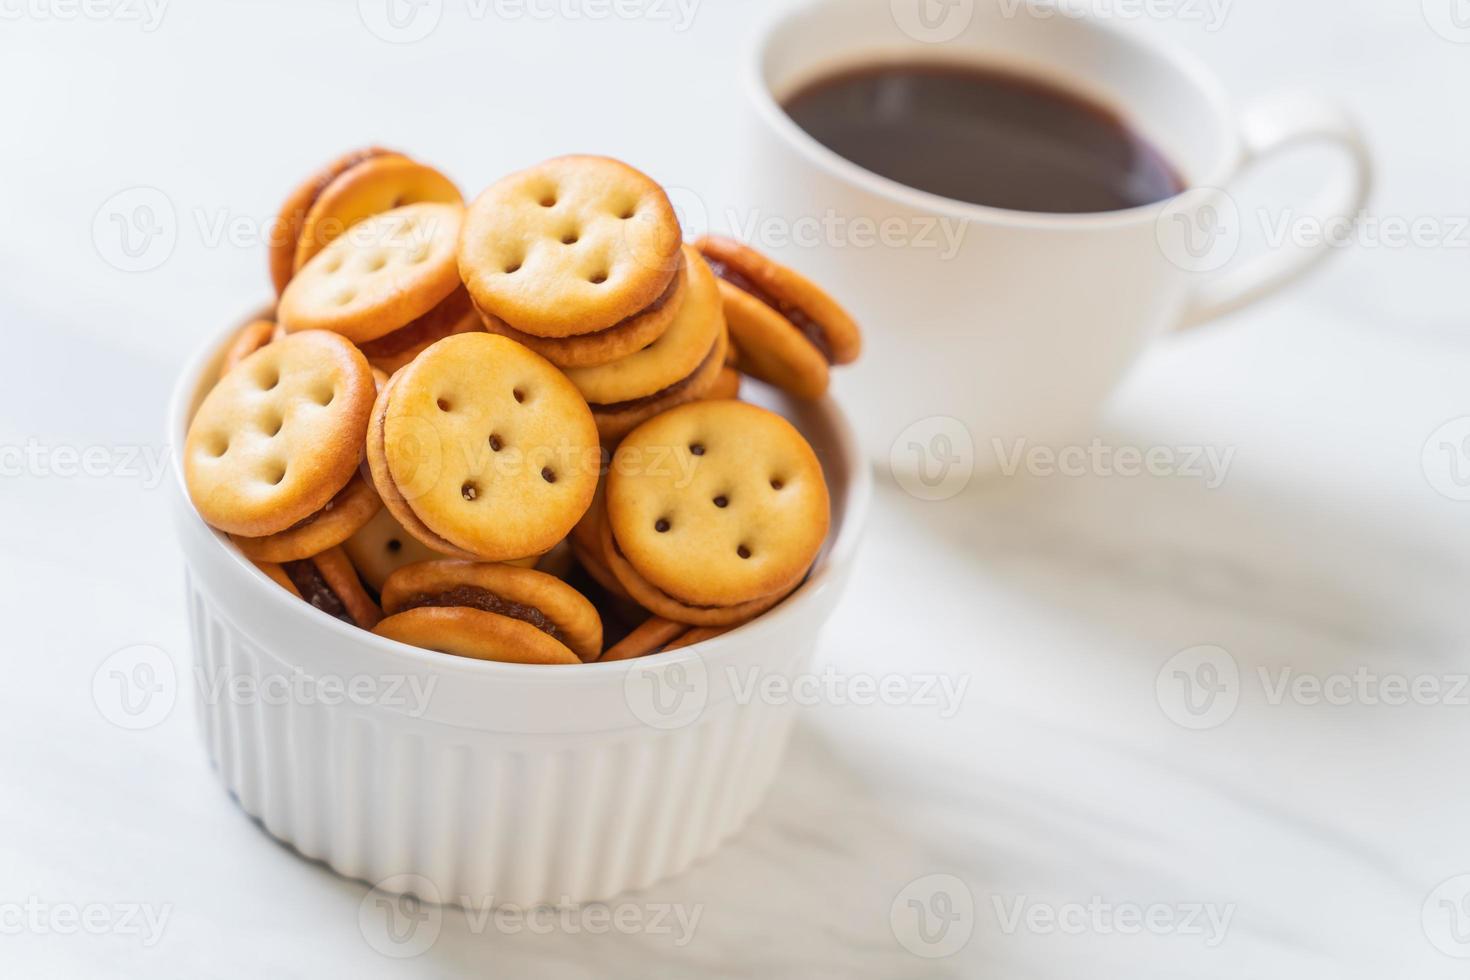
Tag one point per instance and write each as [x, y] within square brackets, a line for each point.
[510, 430]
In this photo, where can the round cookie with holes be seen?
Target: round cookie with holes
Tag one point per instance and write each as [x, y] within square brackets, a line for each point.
[603, 346]
[678, 367]
[717, 506]
[280, 437]
[483, 449]
[501, 599]
[787, 329]
[573, 246]
[380, 277]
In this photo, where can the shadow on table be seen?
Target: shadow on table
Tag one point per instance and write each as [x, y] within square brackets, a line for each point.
[1114, 549]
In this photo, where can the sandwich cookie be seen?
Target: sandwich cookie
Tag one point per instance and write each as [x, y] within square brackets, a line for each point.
[787, 329]
[275, 447]
[602, 346]
[343, 516]
[354, 186]
[389, 271]
[576, 247]
[483, 449]
[488, 611]
[678, 367]
[381, 547]
[715, 512]
[329, 582]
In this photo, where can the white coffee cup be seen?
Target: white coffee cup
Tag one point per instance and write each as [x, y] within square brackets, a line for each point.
[990, 325]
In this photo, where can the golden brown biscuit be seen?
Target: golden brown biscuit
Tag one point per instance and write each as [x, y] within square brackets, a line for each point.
[464, 632]
[483, 449]
[388, 271]
[342, 517]
[286, 231]
[662, 604]
[543, 601]
[787, 329]
[716, 504]
[374, 185]
[279, 436]
[678, 367]
[328, 582]
[602, 346]
[570, 246]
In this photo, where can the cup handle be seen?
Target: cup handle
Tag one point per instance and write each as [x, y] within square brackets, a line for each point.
[1268, 128]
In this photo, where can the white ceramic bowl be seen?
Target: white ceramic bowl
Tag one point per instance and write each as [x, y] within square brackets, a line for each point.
[466, 782]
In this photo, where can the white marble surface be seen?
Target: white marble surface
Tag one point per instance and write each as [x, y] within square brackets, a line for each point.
[1321, 830]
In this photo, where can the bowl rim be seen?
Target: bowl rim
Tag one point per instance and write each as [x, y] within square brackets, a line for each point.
[829, 572]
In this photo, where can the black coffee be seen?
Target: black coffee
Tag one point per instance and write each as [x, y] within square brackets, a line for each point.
[986, 137]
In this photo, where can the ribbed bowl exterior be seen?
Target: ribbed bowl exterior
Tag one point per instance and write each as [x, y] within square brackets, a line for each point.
[515, 819]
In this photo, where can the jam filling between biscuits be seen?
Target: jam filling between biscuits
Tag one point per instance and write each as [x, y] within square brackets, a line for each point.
[313, 587]
[473, 597]
[429, 327]
[810, 329]
[673, 389]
